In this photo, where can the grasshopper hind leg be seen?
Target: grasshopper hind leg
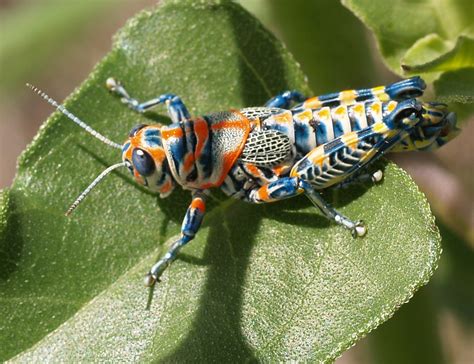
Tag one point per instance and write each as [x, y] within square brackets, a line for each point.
[357, 228]
[361, 178]
[287, 187]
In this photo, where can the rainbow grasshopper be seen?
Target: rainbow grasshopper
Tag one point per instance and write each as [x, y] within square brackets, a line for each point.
[274, 152]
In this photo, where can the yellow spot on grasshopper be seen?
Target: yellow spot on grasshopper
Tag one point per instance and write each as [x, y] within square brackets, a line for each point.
[340, 111]
[283, 118]
[376, 107]
[305, 115]
[350, 139]
[380, 128]
[376, 110]
[313, 103]
[324, 113]
[358, 109]
[347, 97]
[391, 106]
[379, 92]
[317, 156]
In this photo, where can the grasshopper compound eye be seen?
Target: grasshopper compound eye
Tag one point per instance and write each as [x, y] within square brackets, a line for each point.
[143, 162]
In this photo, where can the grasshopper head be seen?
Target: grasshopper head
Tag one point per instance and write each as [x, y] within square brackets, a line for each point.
[145, 157]
[436, 127]
[429, 125]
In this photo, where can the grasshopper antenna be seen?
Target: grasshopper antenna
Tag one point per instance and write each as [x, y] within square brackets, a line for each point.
[74, 118]
[94, 183]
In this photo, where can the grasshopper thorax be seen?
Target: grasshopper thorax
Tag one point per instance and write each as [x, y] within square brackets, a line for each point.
[146, 159]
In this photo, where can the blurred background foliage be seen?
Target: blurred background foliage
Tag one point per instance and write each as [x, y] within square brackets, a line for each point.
[55, 43]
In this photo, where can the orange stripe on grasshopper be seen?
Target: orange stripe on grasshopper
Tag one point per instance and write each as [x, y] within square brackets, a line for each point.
[158, 154]
[188, 161]
[278, 170]
[253, 169]
[138, 177]
[202, 135]
[227, 163]
[230, 157]
[128, 153]
[166, 187]
[176, 132]
[199, 204]
[229, 124]
[227, 158]
[264, 194]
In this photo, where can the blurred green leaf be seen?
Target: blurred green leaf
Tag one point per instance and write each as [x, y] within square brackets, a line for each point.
[4, 199]
[412, 335]
[452, 284]
[461, 56]
[398, 25]
[425, 37]
[416, 332]
[456, 86]
[33, 31]
[275, 282]
[423, 51]
[329, 43]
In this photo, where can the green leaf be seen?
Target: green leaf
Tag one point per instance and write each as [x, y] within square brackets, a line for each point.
[427, 37]
[7, 251]
[275, 282]
[424, 51]
[456, 86]
[52, 24]
[461, 56]
[333, 60]
[398, 25]
[4, 199]
[415, 333]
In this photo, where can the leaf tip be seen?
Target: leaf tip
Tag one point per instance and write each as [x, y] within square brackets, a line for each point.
[406, 68]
